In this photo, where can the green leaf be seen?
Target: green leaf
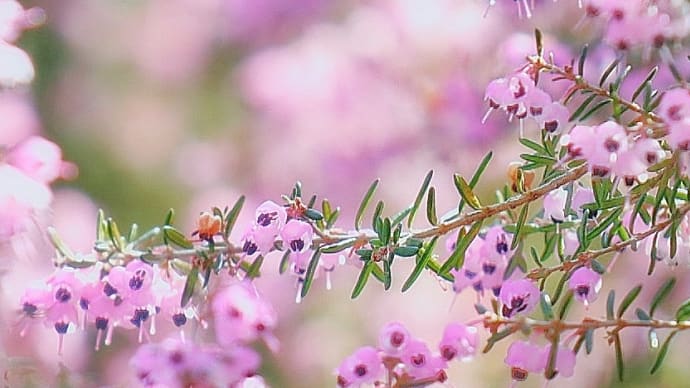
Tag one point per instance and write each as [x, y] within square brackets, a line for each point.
[421, 264]
[546, 308]
[313, 214]
[385, 232]
[365, 202]
[101, 226]
[662, 352]
[339, 246]
[457, 258]
[603, 225]
[627, 301]
[610, 301]
[387, 278]
[595, 108]
[497, 337]
[114, 234]
[581, 61]
[284, 262]
[255, 268]
[189, 285]
[582, 107]
[619, 356]
[608, 71]
[397, 219]
[661, 294]
[683, 312]
[538, 159]
[534, 146]
[169, 217]
[231, 218]
[406, 251]
[59, 245]
[377, 213]
[362, 279]
[420, 196]
[431, 206]
[466, 192]
[642, 315]
[589, 340]
[539, 41]
[566, 305]
[648, 79]
[522, 218]
[480, 169]
[176, 237]
[311, 270]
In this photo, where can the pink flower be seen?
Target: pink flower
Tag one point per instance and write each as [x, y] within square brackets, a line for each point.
[585, 284]
[362, 367]
[393, 339]
[419, 362]
[39, 159]
[518, 297]
[553, 118]
[554, 205]
[675, 110]
[524, 357]
[20, 199]
[17, 68]
[242, 315]
[174, 364]
[459, 341]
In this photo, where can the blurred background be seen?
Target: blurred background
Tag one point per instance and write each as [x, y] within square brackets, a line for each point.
[188, 104]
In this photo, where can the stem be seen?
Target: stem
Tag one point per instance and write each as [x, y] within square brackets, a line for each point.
[556, 325]
[540, 63]
[585, 258]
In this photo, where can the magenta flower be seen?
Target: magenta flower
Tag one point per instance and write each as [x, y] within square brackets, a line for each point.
[675, 110]
[585, 284]
[393, 339]
[524, 357]
[362, 367]
[518, 297]
[419, 362]
[38, 158]
[459, 341]
[174, 363]
[242, 315]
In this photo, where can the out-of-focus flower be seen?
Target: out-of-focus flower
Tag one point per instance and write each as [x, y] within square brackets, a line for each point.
[393, 339]
[17, 68]
[459, 341]
[174, 363]
[419, 362]
[364, 366]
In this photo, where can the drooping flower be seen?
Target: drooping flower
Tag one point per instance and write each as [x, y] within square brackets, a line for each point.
[393, 339]
[459, 341]
[364, 366]
[419, 362]
[518, 297]
[585, 284]
[524, 357]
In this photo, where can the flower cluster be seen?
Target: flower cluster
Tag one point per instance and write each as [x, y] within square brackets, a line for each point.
[241, 316]
[486, 260]
[174, 363]
[674, 109]
[610, 148]
[405, 359]
[632, 22]
[520, 98]
[16, 67]
[132, 296]
[296, 234]
[26, 170]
